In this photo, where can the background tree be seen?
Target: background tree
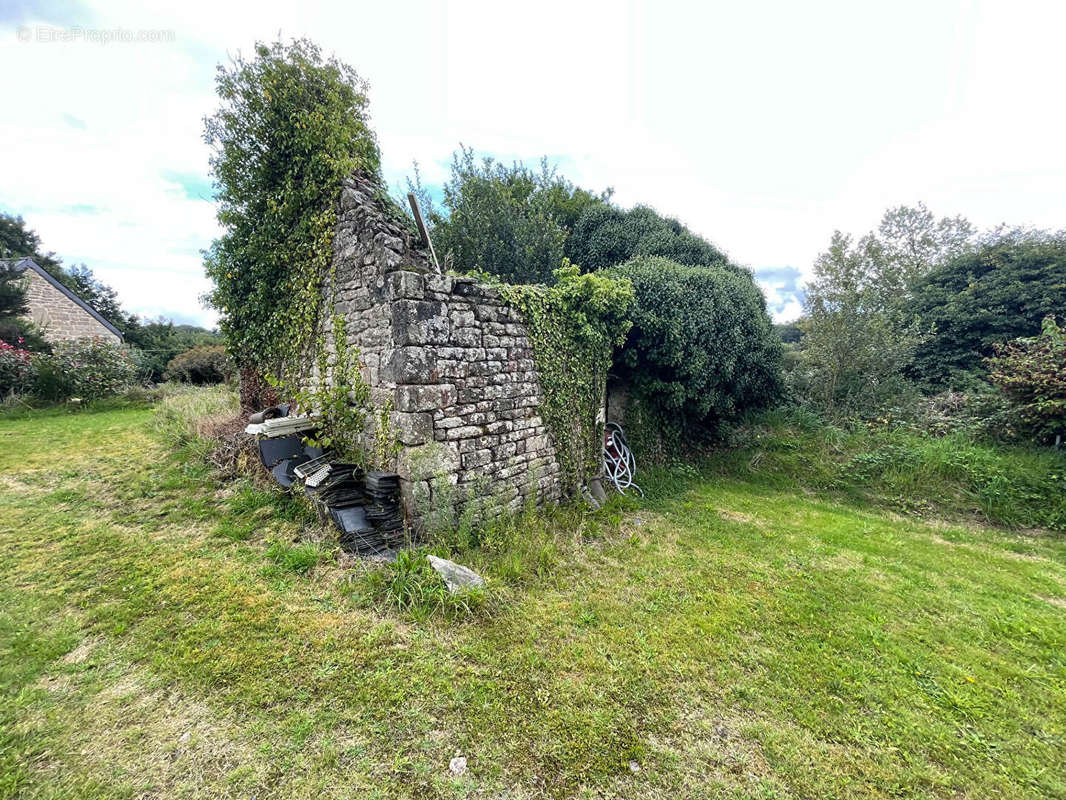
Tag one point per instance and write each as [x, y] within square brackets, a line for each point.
[855, 348]
[15, 329]
[861, 332]
[1000, 290]
[908, 244]
[1031, 372]
[291, 127]
[510, 221]
[17, 240]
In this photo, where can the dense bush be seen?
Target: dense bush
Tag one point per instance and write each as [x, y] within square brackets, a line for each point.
[606, 236]
[16, 369]
[1031, 372]
[203, 364]
[992, 294]
[702, 348]
[159, 341]
[86, 369]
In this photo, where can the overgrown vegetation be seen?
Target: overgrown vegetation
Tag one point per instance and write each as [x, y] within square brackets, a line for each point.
[860, 333]
[606, 236]
[959, 475]
[510, 221]
[515, 224]
[1031, 372]
[201, 364]
[1000, 290]
[574, 327]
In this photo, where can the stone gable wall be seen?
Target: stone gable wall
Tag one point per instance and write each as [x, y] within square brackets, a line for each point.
[455, 362]
[59, 317]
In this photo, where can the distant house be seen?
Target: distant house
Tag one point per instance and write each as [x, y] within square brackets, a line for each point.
[57, 311]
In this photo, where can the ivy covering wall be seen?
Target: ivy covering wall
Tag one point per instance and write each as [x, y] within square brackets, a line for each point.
[574, 327]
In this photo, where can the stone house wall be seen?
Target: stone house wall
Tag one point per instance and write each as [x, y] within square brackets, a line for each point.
[59, 317]
[455, 362]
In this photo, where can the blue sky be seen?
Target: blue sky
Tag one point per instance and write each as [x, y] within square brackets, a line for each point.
[763, 126]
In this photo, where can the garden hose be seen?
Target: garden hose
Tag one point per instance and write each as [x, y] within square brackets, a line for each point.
[619, 466]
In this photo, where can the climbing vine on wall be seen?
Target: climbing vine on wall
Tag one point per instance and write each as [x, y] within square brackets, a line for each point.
[574, 327]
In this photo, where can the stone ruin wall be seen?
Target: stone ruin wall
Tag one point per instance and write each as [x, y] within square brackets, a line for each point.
[456, 363]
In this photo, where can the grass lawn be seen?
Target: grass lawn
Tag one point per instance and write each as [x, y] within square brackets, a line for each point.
[160, 638]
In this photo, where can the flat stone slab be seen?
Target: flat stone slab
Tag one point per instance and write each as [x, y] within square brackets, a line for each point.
[456, 576]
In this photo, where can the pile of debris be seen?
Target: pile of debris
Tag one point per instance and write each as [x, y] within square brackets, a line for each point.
[364, 507]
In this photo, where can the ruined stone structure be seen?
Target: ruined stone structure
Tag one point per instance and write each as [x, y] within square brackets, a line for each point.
[58, 312]
[455, 362]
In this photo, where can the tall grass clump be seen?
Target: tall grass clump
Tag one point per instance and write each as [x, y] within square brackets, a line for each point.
[192, 417]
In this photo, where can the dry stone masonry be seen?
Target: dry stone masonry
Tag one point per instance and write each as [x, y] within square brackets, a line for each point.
[454, 361]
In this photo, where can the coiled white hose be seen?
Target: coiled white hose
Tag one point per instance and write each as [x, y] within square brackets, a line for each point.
[619, 466]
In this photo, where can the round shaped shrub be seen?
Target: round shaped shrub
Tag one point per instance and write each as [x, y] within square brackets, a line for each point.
[702, 349]
[200, 365]
[606, 236]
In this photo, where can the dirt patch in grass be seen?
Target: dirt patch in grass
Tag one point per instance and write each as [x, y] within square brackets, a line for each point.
[737, 516]
[81, 652]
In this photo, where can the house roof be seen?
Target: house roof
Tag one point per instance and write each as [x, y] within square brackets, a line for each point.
[22, 264]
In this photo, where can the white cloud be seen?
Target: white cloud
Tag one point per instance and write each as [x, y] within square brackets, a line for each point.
[763, 126]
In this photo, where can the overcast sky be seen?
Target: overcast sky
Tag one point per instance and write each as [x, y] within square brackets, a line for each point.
[763, 126]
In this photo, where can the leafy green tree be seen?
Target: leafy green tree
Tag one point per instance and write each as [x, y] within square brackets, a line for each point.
[606, 235]
[702, 348]
[18, 241]
[510, 221]
[860, 332]
[855, 346]
[1031, 373]
[908, 244]
[998, 291]
[291, 126]
[102, 297]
